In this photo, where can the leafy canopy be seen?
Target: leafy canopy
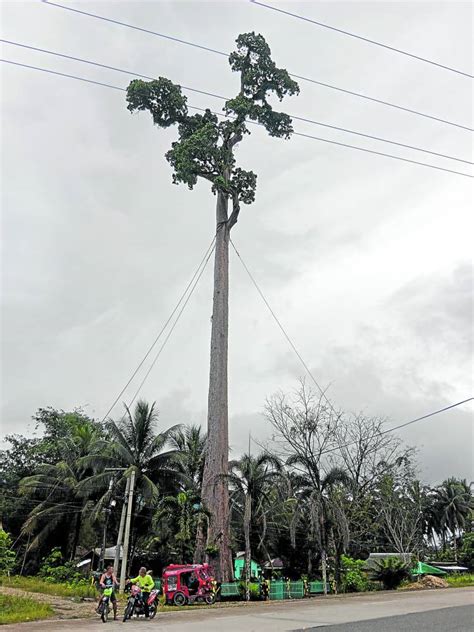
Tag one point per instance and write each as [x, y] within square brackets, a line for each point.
[204, 148]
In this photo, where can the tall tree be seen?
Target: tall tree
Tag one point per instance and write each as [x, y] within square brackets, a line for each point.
[205, 149]
[453, 506]
[61, 503]
[250, 479]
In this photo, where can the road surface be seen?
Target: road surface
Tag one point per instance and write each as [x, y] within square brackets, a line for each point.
[375, 612]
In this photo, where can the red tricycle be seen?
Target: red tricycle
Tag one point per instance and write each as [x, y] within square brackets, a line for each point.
[187, 583]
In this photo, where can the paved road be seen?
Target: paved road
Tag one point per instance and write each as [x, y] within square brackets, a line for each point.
[368, 609]
[459, 619]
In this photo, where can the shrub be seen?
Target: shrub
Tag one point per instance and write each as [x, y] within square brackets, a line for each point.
[7, 555]
[391, 572]
[54, 569]
[354, 579]
[466, 552]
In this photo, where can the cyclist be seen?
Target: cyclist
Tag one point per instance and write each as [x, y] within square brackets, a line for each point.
[146, 584]
[108, 580]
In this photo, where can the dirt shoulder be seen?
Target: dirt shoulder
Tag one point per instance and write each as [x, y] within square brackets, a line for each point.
[64, 608]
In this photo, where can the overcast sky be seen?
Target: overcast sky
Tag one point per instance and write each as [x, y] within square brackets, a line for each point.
[367, 261]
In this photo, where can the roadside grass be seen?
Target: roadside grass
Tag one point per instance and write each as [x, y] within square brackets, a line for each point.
[20, 609]
[459, 581]
[37, 585]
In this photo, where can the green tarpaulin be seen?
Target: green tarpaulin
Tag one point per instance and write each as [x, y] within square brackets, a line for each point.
[426, 569]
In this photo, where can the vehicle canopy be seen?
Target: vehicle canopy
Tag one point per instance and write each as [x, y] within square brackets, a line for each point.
[177, 569]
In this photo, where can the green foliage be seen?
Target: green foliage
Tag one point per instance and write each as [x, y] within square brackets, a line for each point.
[391, 571]
[354, 578]
[20, 609]
[7, 555]
[459, 581]
[204, 148]
[77, 589]
[254, 590]
[466, 552]
[54, 569]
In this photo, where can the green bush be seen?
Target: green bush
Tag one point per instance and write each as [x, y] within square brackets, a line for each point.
[466, 552]
[18, 609]
[54, 569]
[354, 579]
[391, 572]
[7, 555]
[254, 590]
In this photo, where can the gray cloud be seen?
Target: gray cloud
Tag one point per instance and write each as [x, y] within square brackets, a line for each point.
[365, 260]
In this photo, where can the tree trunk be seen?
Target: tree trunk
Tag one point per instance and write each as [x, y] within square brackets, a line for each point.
[324, 570]
[75, 541]
[200, 542]
[215, 491]
[248, 551]
[310, 563]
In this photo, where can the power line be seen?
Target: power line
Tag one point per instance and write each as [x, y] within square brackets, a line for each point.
[224, 54]
[403, 425]
[209, 249]
[360, 37]
[289, 340]
[172, 327]
[218, 96]
[324, 140]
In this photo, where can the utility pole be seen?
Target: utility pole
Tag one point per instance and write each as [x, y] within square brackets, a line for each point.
[107, 510]
[121, 528]
[126, 539]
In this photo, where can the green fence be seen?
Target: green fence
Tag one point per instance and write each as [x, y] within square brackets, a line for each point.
[286, 590]
[230, 590]
[317, 587]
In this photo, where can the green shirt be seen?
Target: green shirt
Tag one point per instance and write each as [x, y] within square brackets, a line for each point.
[146, 583]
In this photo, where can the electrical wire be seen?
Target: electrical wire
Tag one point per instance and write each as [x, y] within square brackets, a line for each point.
[403, 425]
[172, 328]
[324, 140]
[218, 96]
[210, 248]
[282, 329]
[360, 37]
[222, 53]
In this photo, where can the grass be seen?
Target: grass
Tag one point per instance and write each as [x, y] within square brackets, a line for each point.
[38, 585]
[19, 609]
[459, 581]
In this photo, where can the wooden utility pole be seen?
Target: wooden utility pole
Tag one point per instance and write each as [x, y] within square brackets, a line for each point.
[126, 539]
[121, 528]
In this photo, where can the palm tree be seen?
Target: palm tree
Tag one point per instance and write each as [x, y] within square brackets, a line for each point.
[250, 479]
[185, 511]
[321, 505]
[453, 504]
[62, 503]
[135, 445]
[190, 442]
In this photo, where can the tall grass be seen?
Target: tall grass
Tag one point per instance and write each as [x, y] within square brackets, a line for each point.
[18, 609]
[37, 585]
[458, 581]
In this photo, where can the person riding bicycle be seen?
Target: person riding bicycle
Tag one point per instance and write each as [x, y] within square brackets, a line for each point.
[108, 580]
[146, 584]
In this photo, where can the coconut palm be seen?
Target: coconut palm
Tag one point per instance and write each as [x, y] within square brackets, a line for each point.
[321, 506]
[453, 505]
[62, 504]
[135, 445]
[190, 443]
[250, 481]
